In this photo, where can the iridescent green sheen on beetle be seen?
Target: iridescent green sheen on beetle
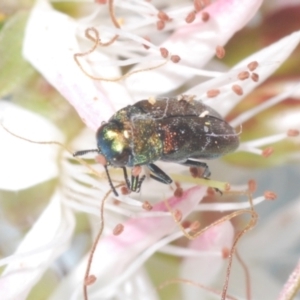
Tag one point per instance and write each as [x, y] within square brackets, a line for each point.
[167, 129]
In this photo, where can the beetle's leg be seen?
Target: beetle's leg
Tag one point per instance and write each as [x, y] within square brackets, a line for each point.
[139, 184]
[206, 173]
[194, 163]
[159, 174]
[159, 179]
[134, 185]
[126, 177]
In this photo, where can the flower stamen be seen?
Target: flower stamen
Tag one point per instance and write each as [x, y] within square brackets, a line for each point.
[237, 89]
[267, 152]
[174, 58]
[118, 229]
[220, 52]
[205, 16]
[90, 280]
[163, 16]
[147, 206]
[269, 195]
[255, 77]
[190, 18]
[212, 93]
[243, 75]
[293, 132]
[252, 66]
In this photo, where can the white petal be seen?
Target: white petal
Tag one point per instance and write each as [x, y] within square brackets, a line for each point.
[195, 43]
[138, 287]
[115, 254]
[285, 220]
[24, 164]
[269, 59]
[49, 45]
[45, 241]
[205, 269]
[263, 284]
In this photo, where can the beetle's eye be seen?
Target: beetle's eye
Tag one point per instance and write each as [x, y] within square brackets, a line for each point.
[113, 144]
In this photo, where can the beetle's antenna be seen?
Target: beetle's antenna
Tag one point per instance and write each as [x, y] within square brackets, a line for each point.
[110, 182]
[83, 152]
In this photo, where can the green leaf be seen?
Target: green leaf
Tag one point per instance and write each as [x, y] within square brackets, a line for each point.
[14, 70]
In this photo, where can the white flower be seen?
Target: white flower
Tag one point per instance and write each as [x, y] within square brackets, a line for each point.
[23, 165]
[52, 38]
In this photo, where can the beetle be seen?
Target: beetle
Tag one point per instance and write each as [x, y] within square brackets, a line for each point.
[169, 129]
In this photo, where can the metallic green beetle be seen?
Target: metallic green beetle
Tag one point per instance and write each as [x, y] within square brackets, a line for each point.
[182, 131]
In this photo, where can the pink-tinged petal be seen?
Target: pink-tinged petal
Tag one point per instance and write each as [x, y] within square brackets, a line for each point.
[206, 267]
[24, 164]
[291, 287]
[226, 18]
[269, 59]
[196, 44]
[49, 45]
[114, 254]
[45, 241]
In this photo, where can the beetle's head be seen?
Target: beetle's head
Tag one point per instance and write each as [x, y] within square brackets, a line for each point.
[113, 142]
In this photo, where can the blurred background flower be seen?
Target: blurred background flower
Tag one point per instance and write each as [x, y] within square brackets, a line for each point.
[50, 203]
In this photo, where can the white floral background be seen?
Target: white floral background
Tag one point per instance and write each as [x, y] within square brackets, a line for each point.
[50, 203]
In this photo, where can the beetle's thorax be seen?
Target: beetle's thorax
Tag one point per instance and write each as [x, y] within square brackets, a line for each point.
[129, 138]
